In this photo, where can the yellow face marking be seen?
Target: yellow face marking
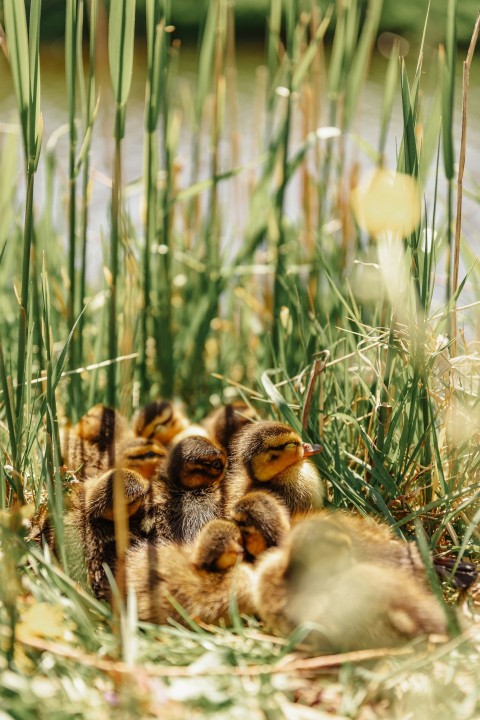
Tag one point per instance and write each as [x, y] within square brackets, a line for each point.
[274, 460]
[230, 557]
[254, 542]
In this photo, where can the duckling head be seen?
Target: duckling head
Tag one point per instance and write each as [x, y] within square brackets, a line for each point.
[146, 457]
[218, 547]
[196, 463]
[99, 492]
[227, 420]
[319, 551]
[268, 448]
[263, 521]
[100, 425]
[160, 420]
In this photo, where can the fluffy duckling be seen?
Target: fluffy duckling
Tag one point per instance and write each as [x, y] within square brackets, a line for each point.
[224, 423]
[263, 521]
[138, 454]
[89, 525]
[194, 487]
[89, 528]
[164, 422]
[354, 605]
[370, 541]
[202, 579]
[271, 456]
[89, 447]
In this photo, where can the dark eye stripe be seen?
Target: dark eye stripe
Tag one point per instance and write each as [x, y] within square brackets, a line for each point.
[145, 456]
[282, 447]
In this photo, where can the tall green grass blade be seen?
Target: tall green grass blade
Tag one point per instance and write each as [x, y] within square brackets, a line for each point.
[452, 621]
[17, 39]
[448, 90]
[35, 128]
[447, 69]
[8, 401]
[120, 48]
[357, 73]
[152, 110]
[121, 27]
[89, 108]
[391, 81]
[72, 21]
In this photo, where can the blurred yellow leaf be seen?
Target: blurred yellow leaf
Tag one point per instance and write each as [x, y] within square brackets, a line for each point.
[42, 620]
[387, 202]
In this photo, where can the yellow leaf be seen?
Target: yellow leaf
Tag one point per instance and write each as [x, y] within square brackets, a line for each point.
[387, 202]
[42, 620]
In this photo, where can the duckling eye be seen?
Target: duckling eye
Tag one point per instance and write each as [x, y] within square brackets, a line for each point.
[150, 454]
[291, 445]
[216, 464]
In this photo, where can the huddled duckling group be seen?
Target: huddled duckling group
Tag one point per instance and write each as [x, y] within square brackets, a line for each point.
[233, 508]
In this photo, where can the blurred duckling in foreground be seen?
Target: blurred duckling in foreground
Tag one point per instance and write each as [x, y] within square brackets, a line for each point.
[316, 578]
[370, 541]
[263, 522]
[203, 579]
[90, 446]
[223, 423]
[194, 487]
[165, 422]
[271, 456]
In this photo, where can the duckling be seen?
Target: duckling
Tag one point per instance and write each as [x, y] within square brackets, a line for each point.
[263, 521]
[370, 541]
[138, 454]
[224, 423]
[89, 523]
[194, 486]
[89, 448]
[202, 579]
[89, 527]
[354, 605]
[271, 456]
[165, 422]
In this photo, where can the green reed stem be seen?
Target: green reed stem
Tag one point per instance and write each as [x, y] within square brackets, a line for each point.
[164, 338]
[152, 108]
[71, 32]
[25, 66]
[89, 118]
[113, 279]
[279, 295]
[120, 47]
[447, 64]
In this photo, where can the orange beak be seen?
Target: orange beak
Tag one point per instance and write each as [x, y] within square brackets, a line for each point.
[309, 449]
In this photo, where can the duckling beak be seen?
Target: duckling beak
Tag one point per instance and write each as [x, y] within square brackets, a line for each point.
[309, 449]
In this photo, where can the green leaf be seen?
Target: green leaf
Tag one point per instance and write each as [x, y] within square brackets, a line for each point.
[280, 402]
[391, 80]
[121, 28]
[358, 70]
[17, 42]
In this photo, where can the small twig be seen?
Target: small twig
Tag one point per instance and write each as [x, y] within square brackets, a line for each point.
[281, 667]
[80, 370]
[461, 168]
[325, 661]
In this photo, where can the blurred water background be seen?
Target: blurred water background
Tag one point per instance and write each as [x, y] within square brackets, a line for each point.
[243, 135]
